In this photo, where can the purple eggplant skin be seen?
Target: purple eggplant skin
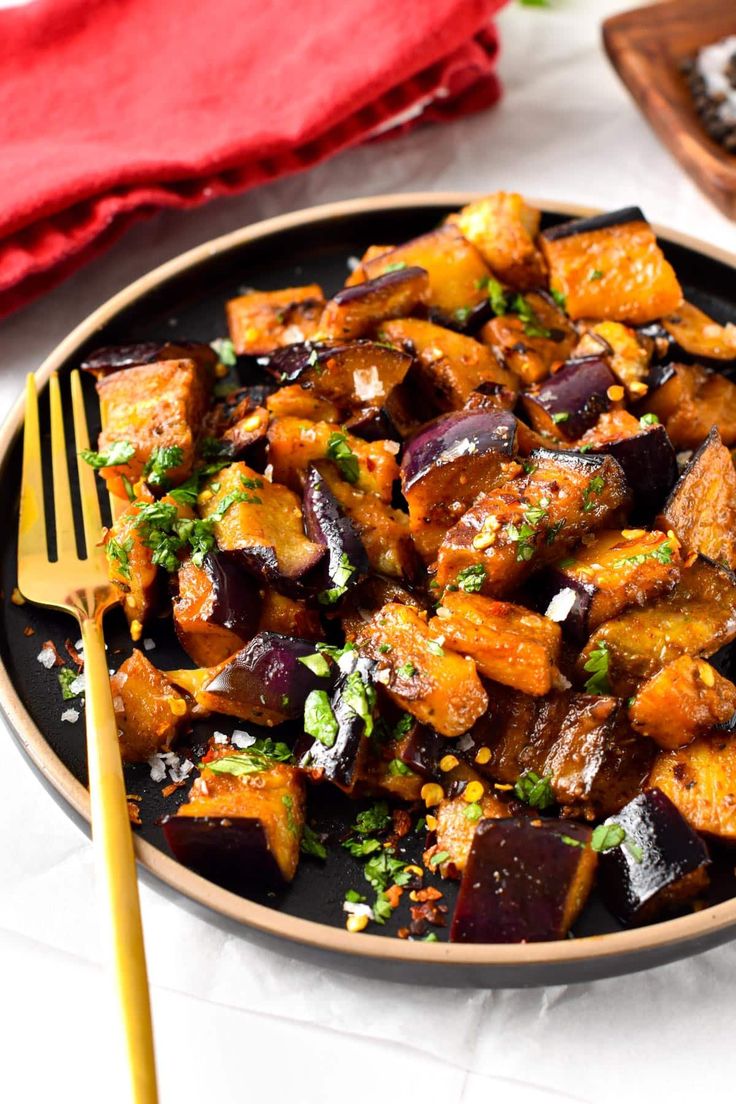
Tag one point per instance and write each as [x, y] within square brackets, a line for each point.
[262, 562]
[649, 463]
[232, 851]
[549, 583]
[302, 361]
[576, 395]
[380, 286]
[267, 670]
[235, 599]
[373, 423]
[467, 321]
[459, 436]
[595, 222]
[114, 358]
[662, 863]
[526, 880]
[326, 524]
[422, 749]
[342, 762]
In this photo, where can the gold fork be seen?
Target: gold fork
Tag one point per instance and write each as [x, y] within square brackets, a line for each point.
[79, 585]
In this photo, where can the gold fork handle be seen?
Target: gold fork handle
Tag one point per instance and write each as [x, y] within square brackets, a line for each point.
[116, 865]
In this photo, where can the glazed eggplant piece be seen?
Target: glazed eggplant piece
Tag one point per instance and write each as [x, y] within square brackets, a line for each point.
[216, 611]
[610, 266]
[373, 423]
[345, 562]
[280, 613]
[700, 780]
[266, 682]
[525, 881]
[696, 334]
[697, 618]
[341, 748]
[448, 463]
[421, 750]
[436, 686]
[457, 272]
[509, 644]
[115, 358]
[686, 699]
[661, 864]
[645, 453]
[607, 575]
[241, 829]
[262, 321]
[261, 528]
[571, 401]
[503, 227]
[457, 820]
[628, 351]
[294, 444]
[295, 401]
[356, 311]
[532, 345]
[531, 521]
[350, 374]
[149, 711]
[701, 510]
[689, 400]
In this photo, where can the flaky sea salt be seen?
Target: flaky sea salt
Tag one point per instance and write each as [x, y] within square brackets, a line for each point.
[242, 739]
[149, 644]
[47, 657]
[221, 737]
[71, 716]
[561, 604]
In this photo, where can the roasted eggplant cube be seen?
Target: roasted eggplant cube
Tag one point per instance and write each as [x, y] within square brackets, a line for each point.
[356, 311]
[607, 575]
[697, 618]
[629, 353]
[149, 710]
[436, 686]
[294, 444]
[448, 463]
[496, 741]
[689, 400]
[457, 272]
[699, 335]
[265, 682]
[345, 563]
[648, 461]
[295, 401]
[259, 524]
[152, 407]
[526, 881]
[611, 267]
[373, 423]
[383, 530]
[701, 510]
[114, 358]
[509, 644]
[262, 321]
[503, 227]
[349, 374]
[662, 863]
[449, 365]
[530, 521]
[216, 611]
[343, 754]
[532, 349]
[571, 401]
[457, 820]
[240, 830]
[700, 780]
[686, 699]
[288, 616]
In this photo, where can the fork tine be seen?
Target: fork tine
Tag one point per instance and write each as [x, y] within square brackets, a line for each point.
[32, 526]
[66, 543]
[87, 490]
[117, 505]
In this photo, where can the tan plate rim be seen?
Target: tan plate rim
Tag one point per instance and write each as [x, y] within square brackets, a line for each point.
[686, 929]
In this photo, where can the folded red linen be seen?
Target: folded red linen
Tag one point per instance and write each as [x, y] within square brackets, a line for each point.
[110, 109]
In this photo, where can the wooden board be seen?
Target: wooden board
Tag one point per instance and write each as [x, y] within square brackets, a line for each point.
[646, 47]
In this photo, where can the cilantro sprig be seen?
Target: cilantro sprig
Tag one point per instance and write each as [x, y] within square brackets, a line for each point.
[340, 451]
[119, 452]
[597, 666]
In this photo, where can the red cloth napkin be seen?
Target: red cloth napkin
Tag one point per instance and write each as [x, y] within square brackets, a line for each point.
[112, 108]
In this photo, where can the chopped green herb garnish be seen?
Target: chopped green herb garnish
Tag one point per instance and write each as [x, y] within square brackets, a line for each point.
[354, 897]
[407, 670]
[319, 719]
[567, 562]
[532, 326]
[119, 452]
[497, 297]
[383, 871]
[311, 844]
[160, 461]
[342, 576]
[472, 578]
[117, 554]
[562, 416]
[435, 648]
[662, 554]
[535, 790]
[595, 274]
[593, 490]
[597, 666]
[128, 487]
[384, 649]
[439, 857]
[225, 350]
[360, 698]
[395, 266]
[339, 450]
[398, 769]
[648, 420]
[430, 937]
[375, 819]
[317, 664]
[559, 298]
[257, 757]
[608, 836]
[66, 677]
[462, 314]
[291, 825]
[473, 811]
[359, 848]
[403, 726]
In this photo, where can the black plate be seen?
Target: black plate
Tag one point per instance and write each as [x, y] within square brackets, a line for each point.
[190, 304]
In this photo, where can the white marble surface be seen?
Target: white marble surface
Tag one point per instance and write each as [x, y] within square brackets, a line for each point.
[237, 1023]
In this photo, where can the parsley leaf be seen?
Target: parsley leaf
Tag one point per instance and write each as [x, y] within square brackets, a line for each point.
[383, 871]
[439, 857]
[117, 555]
[375, 819]
[534, 790]
[395, 266]
[160, 461]
[593, 490]
[339, 450]
[225, 350]
[472, 578]
[562, 416]
[120, 452]
[397, 768]
[258, 757]
[497, 297]
[66, 677]
[532, 326]
[360, 698]
[597, 666]
[610, 835]
[359, 848]
[595, 274]
[559, 298]
[319, 719]
[342, 575]
[648, 420]
[407, 670]
[317, 664]
[311, 844]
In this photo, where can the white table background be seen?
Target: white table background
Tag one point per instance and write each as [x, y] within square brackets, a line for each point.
[235, 1023]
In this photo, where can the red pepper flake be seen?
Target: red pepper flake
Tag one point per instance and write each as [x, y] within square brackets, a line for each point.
[168, 790]
[28, 631]
[403, 933]
[74, 654]
[393, 895]
[428, 894]
[429, 912]
[58, 661]
[134, 813]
